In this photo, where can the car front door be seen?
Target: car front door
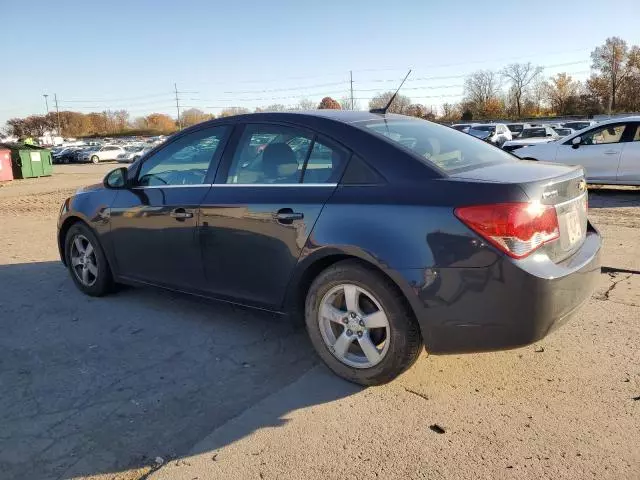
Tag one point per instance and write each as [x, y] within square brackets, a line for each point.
[154, 221]
[629, 169]
[258, 215]
[599, 151]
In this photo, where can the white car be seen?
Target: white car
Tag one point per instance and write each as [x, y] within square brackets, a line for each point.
[133, 153]
[100, 154]
[609, 151]
[495, 133]
[531, 136]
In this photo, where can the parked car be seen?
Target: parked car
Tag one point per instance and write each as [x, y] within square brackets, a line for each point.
[494, 133]
[516, 129]
[403, 233]
[133, 153]
[563, 132]
[579, 125]
[462, 127]
[62, 155]
[532, 136]
[101, 154]
[609, 151]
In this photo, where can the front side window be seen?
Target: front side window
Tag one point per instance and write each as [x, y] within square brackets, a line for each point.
[636, 137]
[274, 154]
[185, 161]
[602, 135]
[444, 147]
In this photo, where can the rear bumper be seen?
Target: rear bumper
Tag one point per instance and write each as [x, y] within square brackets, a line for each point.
[506, 305]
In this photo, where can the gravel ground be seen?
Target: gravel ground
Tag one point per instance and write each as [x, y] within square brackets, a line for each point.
[149, 384]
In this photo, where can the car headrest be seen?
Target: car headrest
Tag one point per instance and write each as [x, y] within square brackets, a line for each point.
[279, 160]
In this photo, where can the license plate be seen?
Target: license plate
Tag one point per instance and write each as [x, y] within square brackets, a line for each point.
[574, 229]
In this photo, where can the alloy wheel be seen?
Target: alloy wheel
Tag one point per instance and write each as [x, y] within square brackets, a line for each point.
[83, 260]
[354, 326]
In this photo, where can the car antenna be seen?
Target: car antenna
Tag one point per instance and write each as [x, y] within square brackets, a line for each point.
[393, 97]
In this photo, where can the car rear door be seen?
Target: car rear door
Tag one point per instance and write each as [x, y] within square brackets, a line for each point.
[258, 215]
[599, 151]
[154, 222]
[629, 168]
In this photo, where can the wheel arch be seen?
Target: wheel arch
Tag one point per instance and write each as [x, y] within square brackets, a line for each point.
[62, 233]
[309, 269]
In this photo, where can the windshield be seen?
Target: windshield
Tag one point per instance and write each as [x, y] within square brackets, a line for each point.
[461, 127]
[533, 132]
[484, 128]
[515, 128]
[450, 150]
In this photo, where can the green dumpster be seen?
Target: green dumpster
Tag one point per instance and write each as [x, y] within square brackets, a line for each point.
[30, 161]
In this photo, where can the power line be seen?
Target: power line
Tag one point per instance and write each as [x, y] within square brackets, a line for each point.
[318, 85]
[120, 99]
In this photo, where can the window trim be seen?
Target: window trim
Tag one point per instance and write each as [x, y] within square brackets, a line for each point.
[216, 159]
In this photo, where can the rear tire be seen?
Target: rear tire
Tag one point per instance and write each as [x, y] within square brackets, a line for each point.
[87, 262]
[379, 318]
[95, 159]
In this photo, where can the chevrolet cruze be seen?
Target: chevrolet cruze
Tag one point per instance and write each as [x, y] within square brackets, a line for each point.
[385, 233]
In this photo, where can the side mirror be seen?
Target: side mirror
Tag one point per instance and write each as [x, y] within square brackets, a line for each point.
[575, 142]
[116, 179]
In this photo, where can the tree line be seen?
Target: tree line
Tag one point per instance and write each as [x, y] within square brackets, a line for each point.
[519, 90]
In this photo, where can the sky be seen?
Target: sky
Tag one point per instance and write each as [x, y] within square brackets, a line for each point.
[129, 54]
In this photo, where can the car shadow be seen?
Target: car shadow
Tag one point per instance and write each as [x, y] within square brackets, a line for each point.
[613, 197]
[102, 385]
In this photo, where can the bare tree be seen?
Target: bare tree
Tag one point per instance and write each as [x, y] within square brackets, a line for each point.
[399, 105]
[520, 75]
[306, 104]
[481, 86]
[345, 103]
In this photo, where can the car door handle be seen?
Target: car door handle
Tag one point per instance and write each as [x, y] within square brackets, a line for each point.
[611, 152]
[181, 214]
[287, 216]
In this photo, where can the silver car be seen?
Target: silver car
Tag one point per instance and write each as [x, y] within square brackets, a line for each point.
[609, 151]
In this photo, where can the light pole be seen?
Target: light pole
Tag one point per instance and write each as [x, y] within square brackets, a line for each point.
[46, 102]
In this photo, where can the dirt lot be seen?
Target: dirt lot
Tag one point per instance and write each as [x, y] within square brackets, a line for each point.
[146, 383]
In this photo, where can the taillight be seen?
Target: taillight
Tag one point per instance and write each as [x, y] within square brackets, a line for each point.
[517, 229]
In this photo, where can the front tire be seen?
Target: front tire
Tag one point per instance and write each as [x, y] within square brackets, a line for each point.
[87, 262]
[95, 159]
[360, 324]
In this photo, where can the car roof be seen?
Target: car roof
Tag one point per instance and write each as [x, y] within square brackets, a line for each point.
[343, 116]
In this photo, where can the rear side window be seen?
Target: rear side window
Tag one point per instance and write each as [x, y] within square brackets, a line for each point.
[448, 149]
[275, 154]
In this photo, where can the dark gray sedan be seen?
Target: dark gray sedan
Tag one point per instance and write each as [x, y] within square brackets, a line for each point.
[385, 233]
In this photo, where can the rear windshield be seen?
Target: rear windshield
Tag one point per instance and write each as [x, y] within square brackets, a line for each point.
[515, 128]
[533, 132]
[444, 147]
[484, 128]
[576, 125]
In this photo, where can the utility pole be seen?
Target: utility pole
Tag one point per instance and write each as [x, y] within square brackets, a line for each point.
[175, 86]
[55, 97]
[351, 80]
[46, 102]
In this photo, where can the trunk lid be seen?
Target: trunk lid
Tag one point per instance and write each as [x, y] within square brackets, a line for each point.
[561, 186]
